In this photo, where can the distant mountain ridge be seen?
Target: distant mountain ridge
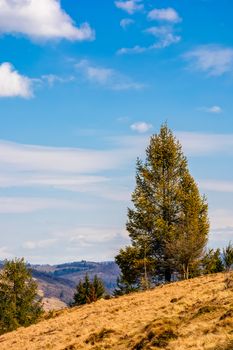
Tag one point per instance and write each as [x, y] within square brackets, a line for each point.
[59, 281]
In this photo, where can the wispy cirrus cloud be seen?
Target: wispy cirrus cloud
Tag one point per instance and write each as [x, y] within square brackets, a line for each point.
[132, 50]
[21, 205]
[81, 170]
[215, 60]
[130, 6]
[13, 84]
[165, 14]
[64, 169]
[213, 109]
[165, 36]
[40, 244]
[51, 79]
[216, 185]
[41, 20]
[203, 144]
[107, 77]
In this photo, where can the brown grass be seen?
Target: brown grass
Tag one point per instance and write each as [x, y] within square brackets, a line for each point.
[195, 314]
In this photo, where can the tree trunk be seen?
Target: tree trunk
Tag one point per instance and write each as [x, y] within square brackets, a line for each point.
[168, 274]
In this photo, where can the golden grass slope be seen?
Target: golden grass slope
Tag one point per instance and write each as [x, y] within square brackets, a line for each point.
[195, 314]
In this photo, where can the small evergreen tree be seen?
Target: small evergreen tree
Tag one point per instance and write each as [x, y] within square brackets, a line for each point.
[123, 287]
[228, 256]
[212, 262]
[19, 302]
[98, 287]
[87, 292]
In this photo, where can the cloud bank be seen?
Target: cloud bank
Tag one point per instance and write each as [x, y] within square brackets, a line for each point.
[41, 20]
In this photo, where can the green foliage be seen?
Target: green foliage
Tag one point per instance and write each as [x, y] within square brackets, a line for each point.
[19, 302]
[228, 256]
[187, 243]
[212, 262]
[124, 287]
[88, 292]
[136, 266]
[168, 225]
[98, 287]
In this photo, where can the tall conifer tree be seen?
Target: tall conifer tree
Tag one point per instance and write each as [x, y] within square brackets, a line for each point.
[167, 208]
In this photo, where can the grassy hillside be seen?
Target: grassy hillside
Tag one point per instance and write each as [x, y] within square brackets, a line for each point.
[195, 314]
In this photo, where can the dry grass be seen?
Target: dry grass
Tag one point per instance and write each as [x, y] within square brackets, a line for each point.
[53, 304]
[195, 314]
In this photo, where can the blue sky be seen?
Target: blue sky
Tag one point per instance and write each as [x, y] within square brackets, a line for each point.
[83, 85]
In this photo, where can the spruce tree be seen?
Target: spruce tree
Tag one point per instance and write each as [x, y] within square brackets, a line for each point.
[228, 257]
[88, 292]
[98, 287]
[212, 262]
[19, 302]
[167, 208]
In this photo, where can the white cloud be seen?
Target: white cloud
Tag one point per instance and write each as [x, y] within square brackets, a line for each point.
[130, 6]
[44, 243]
[168, 15]
[141, 127]
[216, 185]
[221, 236]
[29, 205]
[221, 219]
[12, 84]
[107, 77]
[5, 253]
[93, 242]
[96, 74]
[126, 22]
[41, 19]
[212, 59]
[165, 36]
